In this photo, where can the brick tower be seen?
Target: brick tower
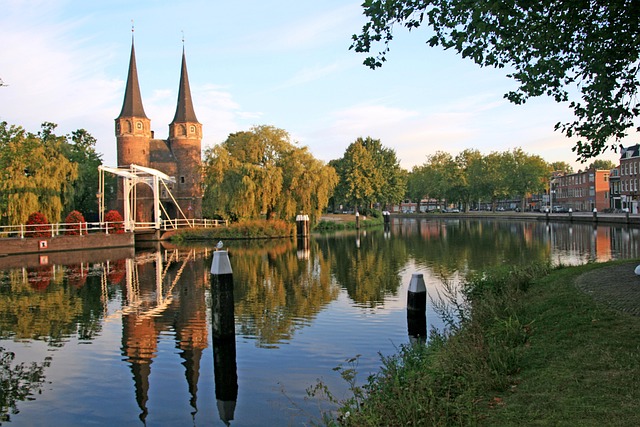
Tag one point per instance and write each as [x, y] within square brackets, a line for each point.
[179, 156]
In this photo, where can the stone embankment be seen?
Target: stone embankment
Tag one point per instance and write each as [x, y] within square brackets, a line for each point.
[589, 217]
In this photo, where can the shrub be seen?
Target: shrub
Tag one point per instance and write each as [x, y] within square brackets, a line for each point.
[36, 225]
[114, 222]
[74, 221]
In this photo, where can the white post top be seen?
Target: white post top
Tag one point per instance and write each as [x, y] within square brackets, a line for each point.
[417, 285]
[220, 263]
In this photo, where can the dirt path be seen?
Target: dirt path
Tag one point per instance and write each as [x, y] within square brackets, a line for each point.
[617, 287]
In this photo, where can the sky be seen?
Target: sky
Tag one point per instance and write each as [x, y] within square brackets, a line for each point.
[278, 63]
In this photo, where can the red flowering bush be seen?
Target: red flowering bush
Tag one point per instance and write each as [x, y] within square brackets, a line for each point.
[114, 222]
[36, 225]
[74, 223]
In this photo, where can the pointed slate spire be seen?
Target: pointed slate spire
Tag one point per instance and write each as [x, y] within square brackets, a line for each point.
[132, 105]
[184, 109]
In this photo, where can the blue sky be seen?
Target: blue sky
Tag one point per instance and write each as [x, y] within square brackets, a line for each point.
[279, 63]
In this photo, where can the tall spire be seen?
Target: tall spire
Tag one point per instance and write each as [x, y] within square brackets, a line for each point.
[132, 105]
[184, 109]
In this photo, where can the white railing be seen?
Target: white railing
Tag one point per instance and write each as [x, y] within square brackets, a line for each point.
[62, 228]
[83, 228]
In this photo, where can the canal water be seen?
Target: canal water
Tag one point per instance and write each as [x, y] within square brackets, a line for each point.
[124, 337]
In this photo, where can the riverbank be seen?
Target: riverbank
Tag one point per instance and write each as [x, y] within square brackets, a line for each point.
[589, 217]
[544, 349]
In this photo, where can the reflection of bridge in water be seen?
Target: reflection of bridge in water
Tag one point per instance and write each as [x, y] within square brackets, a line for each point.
[163, 292]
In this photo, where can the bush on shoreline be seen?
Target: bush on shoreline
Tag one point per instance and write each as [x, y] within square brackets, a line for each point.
[347, 225]
[249, 229]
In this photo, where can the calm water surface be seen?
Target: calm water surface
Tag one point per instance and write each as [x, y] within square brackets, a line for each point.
[123, 338]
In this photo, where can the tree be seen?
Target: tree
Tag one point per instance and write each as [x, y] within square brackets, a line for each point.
[35, 176]
[440, 177]
[525, 174]
[369, 173]
[471, 163]
[261, 172]
[553, 47]
[601, 164]
[82, 152]
[564, 167]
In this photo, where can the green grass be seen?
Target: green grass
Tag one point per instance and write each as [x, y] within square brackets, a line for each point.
[531, 349]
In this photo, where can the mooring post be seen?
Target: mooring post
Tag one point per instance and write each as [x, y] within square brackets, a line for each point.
[224, 336]
[386, 215]
[570, 214]
[302, 225]
[595, 215]
[417, 307]
[357, 219]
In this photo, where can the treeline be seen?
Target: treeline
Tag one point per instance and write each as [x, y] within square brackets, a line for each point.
[47, 173]
[471, 177]
[262, 173]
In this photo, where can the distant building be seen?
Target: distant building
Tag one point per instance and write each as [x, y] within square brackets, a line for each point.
[178, 156]
[581, 191]
[629, 172]
[614, 189]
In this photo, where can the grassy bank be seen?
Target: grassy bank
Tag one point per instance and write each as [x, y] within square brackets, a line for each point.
[333, 225]
[250, 229]
[531, 349]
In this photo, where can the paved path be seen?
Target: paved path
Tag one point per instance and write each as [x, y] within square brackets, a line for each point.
[617, 287]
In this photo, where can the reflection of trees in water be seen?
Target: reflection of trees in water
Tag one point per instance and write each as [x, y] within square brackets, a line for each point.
[17, 383]
[53, 312]
[365, 264]
[449, 246]
[275, 291]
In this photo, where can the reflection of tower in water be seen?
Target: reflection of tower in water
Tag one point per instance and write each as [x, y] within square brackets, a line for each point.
[163, 294]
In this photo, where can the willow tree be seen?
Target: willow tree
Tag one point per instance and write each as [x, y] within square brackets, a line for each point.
[261, 172]
[36, 176]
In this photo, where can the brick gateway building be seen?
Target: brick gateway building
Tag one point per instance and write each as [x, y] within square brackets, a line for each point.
[179, 156]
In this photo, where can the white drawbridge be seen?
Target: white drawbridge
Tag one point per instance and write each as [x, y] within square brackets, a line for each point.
[132, 176]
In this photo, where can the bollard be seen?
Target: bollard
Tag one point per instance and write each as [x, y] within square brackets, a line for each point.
[626, 213]
[302, 225]
[357, 220]
[570, 214]
[595, 215]
[224, 338]
[417, 308]
[386, 215]
[546, 213]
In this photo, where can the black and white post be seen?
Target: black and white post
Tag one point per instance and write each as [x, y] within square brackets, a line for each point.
[224, 335]
[417, 308]
[302, 225]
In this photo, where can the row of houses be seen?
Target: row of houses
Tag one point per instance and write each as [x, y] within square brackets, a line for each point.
[615, 189]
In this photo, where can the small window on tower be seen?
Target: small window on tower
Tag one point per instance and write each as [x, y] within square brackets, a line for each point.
[182, 180]
[193, 129]
[139, 125]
